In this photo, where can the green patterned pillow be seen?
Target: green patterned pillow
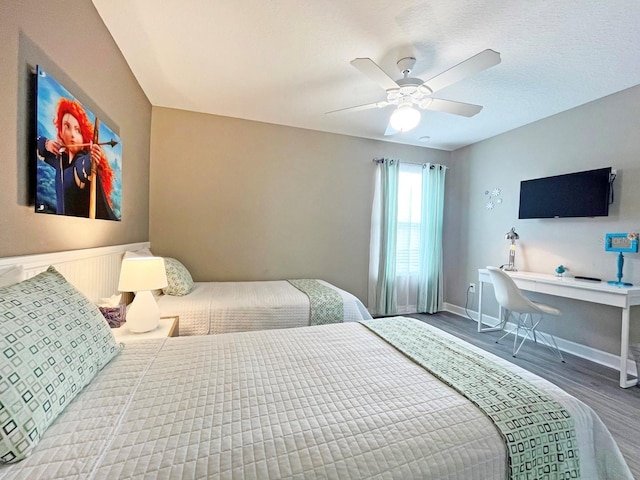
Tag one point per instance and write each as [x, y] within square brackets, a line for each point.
[53, 341]
[179, 281]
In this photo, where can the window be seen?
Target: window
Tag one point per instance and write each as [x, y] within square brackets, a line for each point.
[409, 212]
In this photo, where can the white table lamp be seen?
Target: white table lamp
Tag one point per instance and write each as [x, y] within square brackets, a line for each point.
[141, 275]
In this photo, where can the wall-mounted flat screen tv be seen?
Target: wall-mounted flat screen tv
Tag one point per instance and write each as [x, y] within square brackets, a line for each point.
[580, 194]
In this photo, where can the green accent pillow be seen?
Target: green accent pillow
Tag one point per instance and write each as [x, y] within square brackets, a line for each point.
[179, 281]
[53, 341]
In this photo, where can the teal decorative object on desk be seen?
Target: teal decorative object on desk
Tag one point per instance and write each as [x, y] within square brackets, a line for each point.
[560, 269]
[621, 242]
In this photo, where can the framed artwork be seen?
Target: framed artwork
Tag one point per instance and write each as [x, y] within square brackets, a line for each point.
[621, 242]
[79, 158]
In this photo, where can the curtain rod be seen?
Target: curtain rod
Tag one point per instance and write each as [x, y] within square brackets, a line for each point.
[433, 165]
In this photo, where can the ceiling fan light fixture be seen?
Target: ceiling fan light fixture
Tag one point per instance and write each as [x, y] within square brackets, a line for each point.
[424, 90]
[404, 118]
[408, 89]
[393, 94]
[425, 102]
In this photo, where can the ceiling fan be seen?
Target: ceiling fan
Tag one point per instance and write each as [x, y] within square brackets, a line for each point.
[408, 93]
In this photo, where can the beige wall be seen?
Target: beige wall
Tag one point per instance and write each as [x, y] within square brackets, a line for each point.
[241, 200]
[68, 39]
[599, 134]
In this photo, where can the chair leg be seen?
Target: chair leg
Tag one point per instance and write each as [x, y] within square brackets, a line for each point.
[554, 348]
[528, 327]
[503, 323]
[527, 323]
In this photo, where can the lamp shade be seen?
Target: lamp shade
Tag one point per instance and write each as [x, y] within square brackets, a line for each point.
[512, 235]
[404, 118]
[142, 273]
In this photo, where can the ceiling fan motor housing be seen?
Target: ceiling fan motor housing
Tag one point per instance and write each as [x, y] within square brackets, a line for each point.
[405, 65]
[410, 91]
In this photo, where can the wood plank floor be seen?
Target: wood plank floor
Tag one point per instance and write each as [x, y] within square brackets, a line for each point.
[595, 385]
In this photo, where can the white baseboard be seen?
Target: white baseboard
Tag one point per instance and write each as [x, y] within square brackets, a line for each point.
[577, 349]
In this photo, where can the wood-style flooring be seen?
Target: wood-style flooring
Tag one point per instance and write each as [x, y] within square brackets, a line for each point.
[595, 385]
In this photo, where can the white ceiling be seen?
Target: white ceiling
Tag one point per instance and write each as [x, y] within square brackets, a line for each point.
[287, 61]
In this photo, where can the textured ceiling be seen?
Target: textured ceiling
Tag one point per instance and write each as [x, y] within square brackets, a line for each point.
[287, 61]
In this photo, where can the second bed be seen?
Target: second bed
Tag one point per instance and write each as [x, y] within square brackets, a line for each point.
[225, 307]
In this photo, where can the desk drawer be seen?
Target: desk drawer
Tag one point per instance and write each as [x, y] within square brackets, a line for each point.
[594, 296]
[525, 284]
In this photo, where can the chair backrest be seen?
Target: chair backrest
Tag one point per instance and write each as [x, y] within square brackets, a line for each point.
[508, 294]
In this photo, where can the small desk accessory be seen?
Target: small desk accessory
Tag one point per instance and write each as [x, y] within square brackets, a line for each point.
[512, 236]
[621, 243]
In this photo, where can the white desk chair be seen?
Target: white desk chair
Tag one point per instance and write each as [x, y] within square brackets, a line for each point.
[513, 301]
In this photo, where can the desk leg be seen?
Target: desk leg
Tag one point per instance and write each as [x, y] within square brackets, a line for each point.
[624, 350]
[481, 329]
[480, 289]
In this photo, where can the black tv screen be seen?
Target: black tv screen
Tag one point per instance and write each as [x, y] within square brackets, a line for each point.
[580, 194]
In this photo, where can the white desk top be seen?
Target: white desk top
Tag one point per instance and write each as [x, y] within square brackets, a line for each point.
[597, 292]
[569, 281]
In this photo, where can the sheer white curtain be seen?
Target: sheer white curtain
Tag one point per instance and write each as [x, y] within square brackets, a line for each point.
[405, 271]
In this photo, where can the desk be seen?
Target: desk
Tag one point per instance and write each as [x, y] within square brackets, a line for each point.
[568, 287]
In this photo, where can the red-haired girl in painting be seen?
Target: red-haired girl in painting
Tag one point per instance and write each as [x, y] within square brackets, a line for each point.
[72, 155]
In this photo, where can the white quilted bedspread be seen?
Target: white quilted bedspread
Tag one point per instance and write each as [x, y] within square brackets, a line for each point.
[331, 402]
[225, 307]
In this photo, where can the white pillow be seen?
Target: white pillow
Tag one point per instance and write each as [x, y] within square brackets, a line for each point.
[11, 275]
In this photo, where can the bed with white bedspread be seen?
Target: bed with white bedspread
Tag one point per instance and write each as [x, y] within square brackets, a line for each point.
[330, 401]
[299, 403]
[225, 307]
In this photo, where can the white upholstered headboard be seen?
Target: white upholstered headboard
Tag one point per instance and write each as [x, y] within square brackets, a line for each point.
[93, 271]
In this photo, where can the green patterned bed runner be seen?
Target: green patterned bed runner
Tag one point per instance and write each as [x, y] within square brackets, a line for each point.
[539, 433]
[326, 304]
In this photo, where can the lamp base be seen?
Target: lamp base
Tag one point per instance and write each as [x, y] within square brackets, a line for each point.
[143, 314]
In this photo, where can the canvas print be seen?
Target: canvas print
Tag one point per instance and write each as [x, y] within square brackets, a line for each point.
[79, 165]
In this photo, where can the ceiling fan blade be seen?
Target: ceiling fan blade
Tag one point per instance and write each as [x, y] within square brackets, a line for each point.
[374, 72]
[357, 108]
[477, 63]
[457, 108]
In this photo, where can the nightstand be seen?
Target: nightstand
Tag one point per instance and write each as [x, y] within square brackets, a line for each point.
[167, 327]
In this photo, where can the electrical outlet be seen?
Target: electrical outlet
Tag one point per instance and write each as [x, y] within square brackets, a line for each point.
[472, 288]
